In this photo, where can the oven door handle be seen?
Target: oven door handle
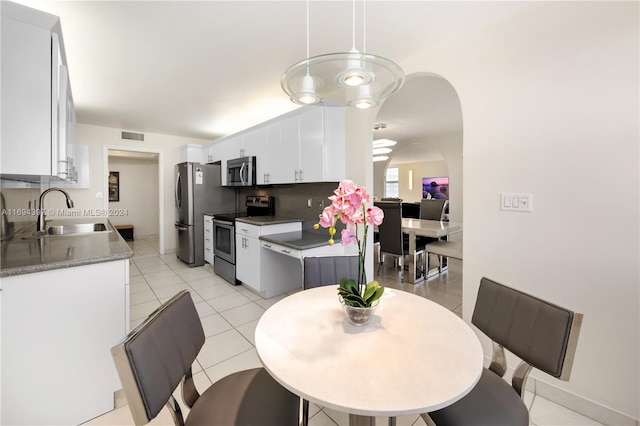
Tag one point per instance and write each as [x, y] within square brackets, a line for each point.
[221, 222]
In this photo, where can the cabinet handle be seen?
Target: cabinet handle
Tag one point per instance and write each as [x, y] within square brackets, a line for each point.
[296, 177]
[244, 229]
[301, 176]
[285, 251]
[267, 245]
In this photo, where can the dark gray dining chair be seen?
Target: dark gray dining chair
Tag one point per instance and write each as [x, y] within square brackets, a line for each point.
[432, 209]
[392, 241]
[157, 356]
[319, 271]
[541, 334]
[328, 270]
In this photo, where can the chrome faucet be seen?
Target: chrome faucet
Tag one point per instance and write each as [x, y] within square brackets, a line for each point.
[41, 221]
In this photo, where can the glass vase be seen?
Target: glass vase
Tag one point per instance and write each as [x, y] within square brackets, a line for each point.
[358, 315]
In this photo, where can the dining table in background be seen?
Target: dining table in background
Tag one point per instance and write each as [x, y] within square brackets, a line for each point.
[415, 356]
[425, 228]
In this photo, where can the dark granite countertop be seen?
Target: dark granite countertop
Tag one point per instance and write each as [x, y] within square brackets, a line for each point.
[301, 240]
[267, 220]
[27, 255]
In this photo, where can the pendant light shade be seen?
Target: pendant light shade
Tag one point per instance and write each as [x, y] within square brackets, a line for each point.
[352, 78]
[307, 94]
[334, 73]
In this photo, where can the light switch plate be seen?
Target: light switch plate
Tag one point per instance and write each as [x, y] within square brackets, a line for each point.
[517, 202]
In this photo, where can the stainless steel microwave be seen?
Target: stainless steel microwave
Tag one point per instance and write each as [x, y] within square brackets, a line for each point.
[241, 171]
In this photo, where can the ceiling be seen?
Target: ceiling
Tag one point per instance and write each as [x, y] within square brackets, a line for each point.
[206, 69]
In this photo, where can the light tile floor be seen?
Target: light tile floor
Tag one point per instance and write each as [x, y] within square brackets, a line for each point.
[229, 315]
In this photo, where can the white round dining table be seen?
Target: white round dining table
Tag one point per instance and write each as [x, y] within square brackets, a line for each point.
[415, 356]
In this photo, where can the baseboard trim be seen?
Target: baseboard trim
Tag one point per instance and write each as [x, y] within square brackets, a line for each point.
[582, 405]
[574, 402]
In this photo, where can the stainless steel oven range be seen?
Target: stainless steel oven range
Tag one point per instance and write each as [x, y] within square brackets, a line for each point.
[224, 234]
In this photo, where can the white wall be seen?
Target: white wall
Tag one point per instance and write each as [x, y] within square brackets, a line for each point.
[138, 204]
[98, 138]
[550, 106]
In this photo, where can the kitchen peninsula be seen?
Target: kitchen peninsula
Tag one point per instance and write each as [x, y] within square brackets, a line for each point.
[65, 302]
[278, 263]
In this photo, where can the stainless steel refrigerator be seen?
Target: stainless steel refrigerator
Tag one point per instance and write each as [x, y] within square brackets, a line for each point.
[198, 192]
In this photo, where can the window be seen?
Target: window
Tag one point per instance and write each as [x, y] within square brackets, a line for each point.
[391, 183]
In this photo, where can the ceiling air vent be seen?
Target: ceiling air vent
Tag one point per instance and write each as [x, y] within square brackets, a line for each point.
[133, 136]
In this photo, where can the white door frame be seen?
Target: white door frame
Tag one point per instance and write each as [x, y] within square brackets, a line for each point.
[105, 183]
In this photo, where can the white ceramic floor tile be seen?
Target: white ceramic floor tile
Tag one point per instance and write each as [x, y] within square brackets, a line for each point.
[204, 309]
[321, 419]
[267, 303]
[248, 293]
[244, 361]
[216, 290]
[547, 413]
[194, 274]
[221, 347]
[137, 298]
[202, 283]
[170, 290]
[165, 281]
[139, 288]
[214, 324]
[143, 310]
[248, 330]
[228, 301]
[149, 269]
[156, 276]
[243, 314]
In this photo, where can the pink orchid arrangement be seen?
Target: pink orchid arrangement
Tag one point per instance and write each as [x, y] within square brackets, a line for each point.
[348, 205]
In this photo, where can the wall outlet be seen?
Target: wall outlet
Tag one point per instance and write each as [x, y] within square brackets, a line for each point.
[309, 202]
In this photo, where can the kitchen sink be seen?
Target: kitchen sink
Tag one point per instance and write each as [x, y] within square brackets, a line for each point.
[69, 229]
[76, 228]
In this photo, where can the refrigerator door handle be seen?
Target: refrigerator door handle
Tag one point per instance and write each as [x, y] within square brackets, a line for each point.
[181, 228]
[178, 195]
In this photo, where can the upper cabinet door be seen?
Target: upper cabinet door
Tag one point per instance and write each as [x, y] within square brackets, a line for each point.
[290, 149]
[38, 115]
[312, 153]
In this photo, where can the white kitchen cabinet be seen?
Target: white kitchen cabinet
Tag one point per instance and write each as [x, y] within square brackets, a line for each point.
[248, 254]
[191, 153]
[268, 162]
[305, 145]
[57, 330]
[226, 149]
[312, 146]
[208, 239]
[38, 114]
[289, 157]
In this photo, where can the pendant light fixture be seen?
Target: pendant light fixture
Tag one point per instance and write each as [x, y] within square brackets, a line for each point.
[351, 78]
[307, 94]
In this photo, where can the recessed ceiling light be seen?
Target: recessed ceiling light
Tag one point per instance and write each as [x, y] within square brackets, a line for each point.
[380, 151]
[380, 158]
[381, 143]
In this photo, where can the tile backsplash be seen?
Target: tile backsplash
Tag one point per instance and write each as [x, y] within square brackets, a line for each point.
[292, 200]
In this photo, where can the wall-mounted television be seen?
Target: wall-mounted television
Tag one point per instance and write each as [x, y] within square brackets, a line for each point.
[437, 187]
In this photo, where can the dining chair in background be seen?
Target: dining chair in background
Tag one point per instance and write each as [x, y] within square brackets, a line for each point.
[157, 356]
[392, 241]
[431, 209]
[541, 334]
[319, 271]
[328, 270]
